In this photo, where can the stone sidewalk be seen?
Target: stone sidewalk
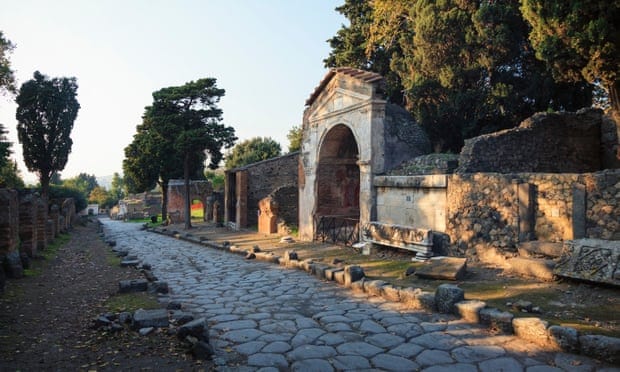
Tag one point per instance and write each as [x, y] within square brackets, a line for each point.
[268, 318]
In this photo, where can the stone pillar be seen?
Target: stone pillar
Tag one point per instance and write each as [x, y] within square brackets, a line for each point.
[368, 211]
[216, 211]
[42, 236]
[579, 211]
[28, 223]
[526, 211]
[241, 219]
[268, 216]
[53, 216]
[9, 233]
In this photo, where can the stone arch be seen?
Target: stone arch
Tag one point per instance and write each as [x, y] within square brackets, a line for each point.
[338, 173]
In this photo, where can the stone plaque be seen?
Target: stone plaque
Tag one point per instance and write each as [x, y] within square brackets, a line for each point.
[593, 260]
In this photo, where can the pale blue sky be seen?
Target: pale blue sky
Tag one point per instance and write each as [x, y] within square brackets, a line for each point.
[267, 55]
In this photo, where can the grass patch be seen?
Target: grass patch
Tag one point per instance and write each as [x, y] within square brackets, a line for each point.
[131, 302]
[112, 259]
[37, 265]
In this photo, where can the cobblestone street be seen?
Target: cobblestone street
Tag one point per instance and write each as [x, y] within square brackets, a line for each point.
[266, 317]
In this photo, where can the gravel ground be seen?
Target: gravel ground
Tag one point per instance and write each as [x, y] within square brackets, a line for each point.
[46, 320]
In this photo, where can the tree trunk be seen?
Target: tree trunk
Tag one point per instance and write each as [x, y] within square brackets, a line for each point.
[188, 210]
[44, 179]
[164, 200]
[614, 95]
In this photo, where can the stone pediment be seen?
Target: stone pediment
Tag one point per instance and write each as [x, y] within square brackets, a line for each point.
[336, 101]
[343, 89]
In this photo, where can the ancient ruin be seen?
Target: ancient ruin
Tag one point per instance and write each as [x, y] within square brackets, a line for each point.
[199, 190]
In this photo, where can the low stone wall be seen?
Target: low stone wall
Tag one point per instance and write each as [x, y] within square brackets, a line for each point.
[545, 142]
[503, 209]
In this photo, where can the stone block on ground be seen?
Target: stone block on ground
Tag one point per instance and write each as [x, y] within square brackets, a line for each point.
[540, 248]
[531, 329]
[267, 257]
[494, 318]
[391, 293]
[470, 310]
[318, 270]
[446, 296]
[130, 262]
[375, 287]
[196, 328]
[601, 347]
[339, 277]
[329, 273]
[443, 268]
[564, 338]
[159, 287]
[593, 260]
[535, 268]
[13, 265]
[352, 274]
[133, 285]
[150, 318]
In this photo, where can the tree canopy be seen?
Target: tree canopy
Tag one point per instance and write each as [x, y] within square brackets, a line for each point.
[83, 182]
[7, 76]
[5, 146]
[179, 130]
[46, 110]
[464, 68]
[253, 150]
[295, 136]
[579, 39]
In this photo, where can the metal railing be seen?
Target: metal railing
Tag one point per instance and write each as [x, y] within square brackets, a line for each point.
[337, 229]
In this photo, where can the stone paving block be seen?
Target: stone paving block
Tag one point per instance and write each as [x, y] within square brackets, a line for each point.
[350, 362]
[278, 347]
[267, 360]
[446, 296]
[358, 348]
[601, 347]
[387, 362]
[311, 352]
[473, 354]
[505, 364]
[310, 365]
[564, 338]
[384, 340]
[250, 348]
[433, 357]
[495, 318]
[470, 310]
[531, 329]
[370, 326]
[407, 350]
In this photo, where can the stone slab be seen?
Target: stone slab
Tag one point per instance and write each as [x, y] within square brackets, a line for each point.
[540, 248]
[444, 268]
[592, 260]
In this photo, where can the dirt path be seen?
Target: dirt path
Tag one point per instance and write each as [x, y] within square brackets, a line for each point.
[46, 319]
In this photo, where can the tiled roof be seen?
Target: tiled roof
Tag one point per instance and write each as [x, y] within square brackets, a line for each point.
[365, 76]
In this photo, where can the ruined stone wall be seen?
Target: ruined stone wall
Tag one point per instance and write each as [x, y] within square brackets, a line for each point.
[287, 198]
[545, 143]
[265, 177]
[28, 222]
[9, 221]
[502, 209]
[199, 190]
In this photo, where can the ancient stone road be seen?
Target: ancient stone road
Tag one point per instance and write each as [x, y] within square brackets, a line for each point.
[268, 318]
